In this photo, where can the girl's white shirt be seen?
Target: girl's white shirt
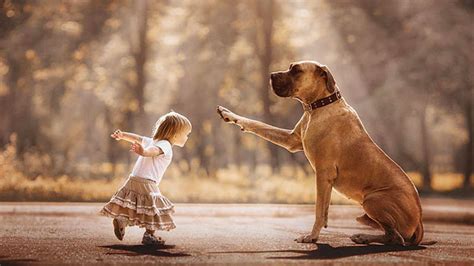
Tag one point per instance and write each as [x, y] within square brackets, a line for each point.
[153, 167]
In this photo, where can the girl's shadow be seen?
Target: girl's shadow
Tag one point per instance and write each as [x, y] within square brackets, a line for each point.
[140, 250]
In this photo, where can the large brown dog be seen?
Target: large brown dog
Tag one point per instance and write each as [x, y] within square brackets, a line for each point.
[343, 155]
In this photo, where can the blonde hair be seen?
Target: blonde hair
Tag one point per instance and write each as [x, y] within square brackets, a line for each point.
[170, 124]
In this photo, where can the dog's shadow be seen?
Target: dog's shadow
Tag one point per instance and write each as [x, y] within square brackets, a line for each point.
[141, 250]
[326, 251]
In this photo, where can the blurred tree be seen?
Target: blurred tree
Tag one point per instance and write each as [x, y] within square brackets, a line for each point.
[31, 60]
[72, 71]
[443, 32]
[139, 51]
[397, 31]
[209, 34]
[263, 43]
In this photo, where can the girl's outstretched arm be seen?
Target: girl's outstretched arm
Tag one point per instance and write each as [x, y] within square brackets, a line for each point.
[127, 136]
[148, 152]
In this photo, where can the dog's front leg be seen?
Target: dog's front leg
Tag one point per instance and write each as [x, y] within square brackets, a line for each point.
[288, 139]
[324, 180]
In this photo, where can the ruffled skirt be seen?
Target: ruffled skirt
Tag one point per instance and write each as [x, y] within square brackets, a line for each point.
[139, 202]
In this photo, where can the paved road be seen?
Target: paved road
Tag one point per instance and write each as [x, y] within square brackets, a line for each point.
[32, 233]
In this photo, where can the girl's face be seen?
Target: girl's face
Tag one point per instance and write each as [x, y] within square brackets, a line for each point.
[181, 138]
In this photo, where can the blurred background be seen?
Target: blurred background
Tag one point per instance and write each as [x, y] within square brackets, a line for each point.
[73, 71]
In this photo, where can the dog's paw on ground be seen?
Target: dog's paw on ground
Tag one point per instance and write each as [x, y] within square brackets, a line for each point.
[306, 239]
[360, 238]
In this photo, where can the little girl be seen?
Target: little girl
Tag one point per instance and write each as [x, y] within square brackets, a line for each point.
[139, 201]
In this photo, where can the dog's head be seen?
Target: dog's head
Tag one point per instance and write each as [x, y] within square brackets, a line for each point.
[303, 80]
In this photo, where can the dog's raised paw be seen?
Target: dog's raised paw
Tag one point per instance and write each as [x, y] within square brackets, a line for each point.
[221, 109]
[226, 115]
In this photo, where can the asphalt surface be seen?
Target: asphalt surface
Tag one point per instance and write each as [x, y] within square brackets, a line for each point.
[59, 233]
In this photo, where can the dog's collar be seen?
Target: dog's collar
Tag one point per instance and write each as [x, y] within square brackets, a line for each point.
[323, 102]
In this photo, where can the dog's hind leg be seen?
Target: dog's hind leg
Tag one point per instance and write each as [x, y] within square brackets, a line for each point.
[366, 220]
[383, 215]
[391, 237]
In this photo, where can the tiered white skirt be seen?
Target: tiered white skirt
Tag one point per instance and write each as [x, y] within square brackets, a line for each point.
[139, 202]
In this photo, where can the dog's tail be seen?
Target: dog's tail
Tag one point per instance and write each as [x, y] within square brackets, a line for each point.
[418, 236]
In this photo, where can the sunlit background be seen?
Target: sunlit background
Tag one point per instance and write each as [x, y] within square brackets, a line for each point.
[73, 71]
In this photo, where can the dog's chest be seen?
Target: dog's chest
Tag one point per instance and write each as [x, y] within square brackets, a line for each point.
[313, 138]
[314, 132]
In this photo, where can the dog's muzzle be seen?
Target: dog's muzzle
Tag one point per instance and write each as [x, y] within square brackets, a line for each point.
[280, 84]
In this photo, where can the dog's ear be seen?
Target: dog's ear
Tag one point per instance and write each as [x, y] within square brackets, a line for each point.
[330, 82]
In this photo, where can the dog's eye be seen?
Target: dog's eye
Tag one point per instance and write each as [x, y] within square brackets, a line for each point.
[295, 70]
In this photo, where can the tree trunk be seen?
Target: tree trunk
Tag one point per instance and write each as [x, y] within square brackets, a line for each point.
[468, 115]
[204, 159]
[265, 10]
[140, 52]
[426, 150]
[127, 123]
[22, 119]
[111, 143]
[237, 158]
[7, 103]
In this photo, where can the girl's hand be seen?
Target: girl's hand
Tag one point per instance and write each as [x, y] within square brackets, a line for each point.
[137, 148]
[117, 135]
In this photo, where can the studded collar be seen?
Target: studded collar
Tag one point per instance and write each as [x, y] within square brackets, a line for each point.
[324, 101]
